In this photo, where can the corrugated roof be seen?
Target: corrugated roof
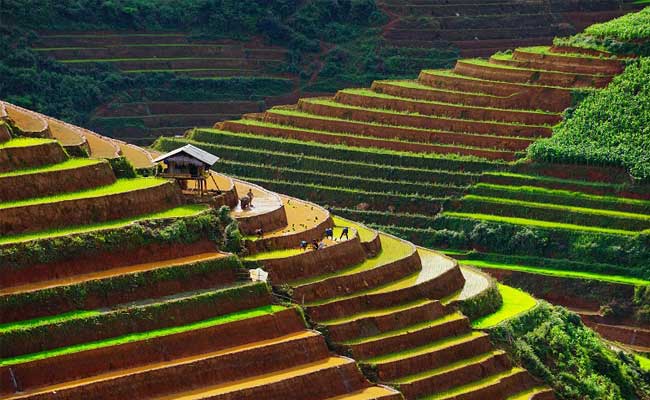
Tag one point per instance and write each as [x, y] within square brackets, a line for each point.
[191, 151]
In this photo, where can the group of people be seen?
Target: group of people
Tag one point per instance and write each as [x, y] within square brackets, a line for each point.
[329, 234]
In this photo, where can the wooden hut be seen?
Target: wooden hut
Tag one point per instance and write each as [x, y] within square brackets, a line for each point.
[189, 164]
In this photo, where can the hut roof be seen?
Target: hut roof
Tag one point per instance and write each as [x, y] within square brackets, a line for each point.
[193, 152]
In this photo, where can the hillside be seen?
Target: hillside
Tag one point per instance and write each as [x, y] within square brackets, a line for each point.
[113, 286]
[148, 69]
[442, 161]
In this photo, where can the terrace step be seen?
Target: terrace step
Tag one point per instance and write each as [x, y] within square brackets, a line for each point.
[453, 375]
[284, 131]
[72, 175]
[405, 338]
[571, 185]
[555, 212]
[543, 58]
[127, 198]
[68, 135]
[510, 60]
[302, 221]
[417, 91]
[210, 138]
[536, 393]
[267, 211]
[551, 98]
[477, 68]
[173, 310]
[369, 99]
[371, 393]
[439, 277]
[374, 322]
[167, 347]
[392, 366]
[498, 385]
[396, 260]
[336, 376]
[337, 112]
[562, 197]
[177, 375]
[101, 147]
[26, 122]
[109, 287]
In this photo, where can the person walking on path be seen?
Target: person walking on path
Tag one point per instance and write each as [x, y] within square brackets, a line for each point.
[344, 233]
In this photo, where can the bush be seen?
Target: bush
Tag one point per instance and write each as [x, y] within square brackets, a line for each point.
[610, 127]
[554, 345]
[122, 167]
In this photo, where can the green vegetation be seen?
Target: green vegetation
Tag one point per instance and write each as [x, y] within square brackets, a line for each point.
[176, 212]
[554, 345]
[71, 163]
[473, 386]
[515, 302]
[161, 313]
[610, 127]
[220, 320]
[630, 27]
[77, 293]
[24, 142]
[391, 251]
[51, 319]
[538, 223]
[120, 186]
[365, 234]
[200, 223]
[555, 212]
[267, 255]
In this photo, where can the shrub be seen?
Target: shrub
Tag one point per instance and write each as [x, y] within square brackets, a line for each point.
[554, 345]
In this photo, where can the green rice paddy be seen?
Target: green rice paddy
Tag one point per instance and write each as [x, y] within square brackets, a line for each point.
[25, 142]
[176, 212]
[208, 323]
[558, 273]
[515, 302]
[71, 163]
[540, 223]
[120, 186]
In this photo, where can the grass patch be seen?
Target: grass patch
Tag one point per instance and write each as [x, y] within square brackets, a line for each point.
[540, 223]
[68, 164]
[452, 74]
[643, 361]
[176, 212]
[51, 319]
[515, 302]
[223, 319]
[558, 273]
[120, 186]
[25, 142]
[365, 234]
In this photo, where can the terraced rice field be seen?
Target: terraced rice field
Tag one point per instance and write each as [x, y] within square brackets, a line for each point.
[480, 29]
[177, 54]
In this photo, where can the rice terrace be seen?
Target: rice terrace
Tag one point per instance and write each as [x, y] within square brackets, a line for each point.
[325, 199]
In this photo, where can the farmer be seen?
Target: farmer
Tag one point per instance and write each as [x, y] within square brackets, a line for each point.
[329, 233]
[314, 244]
[259, 232]
[303, 245]
[250, 197]
[344, 233]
